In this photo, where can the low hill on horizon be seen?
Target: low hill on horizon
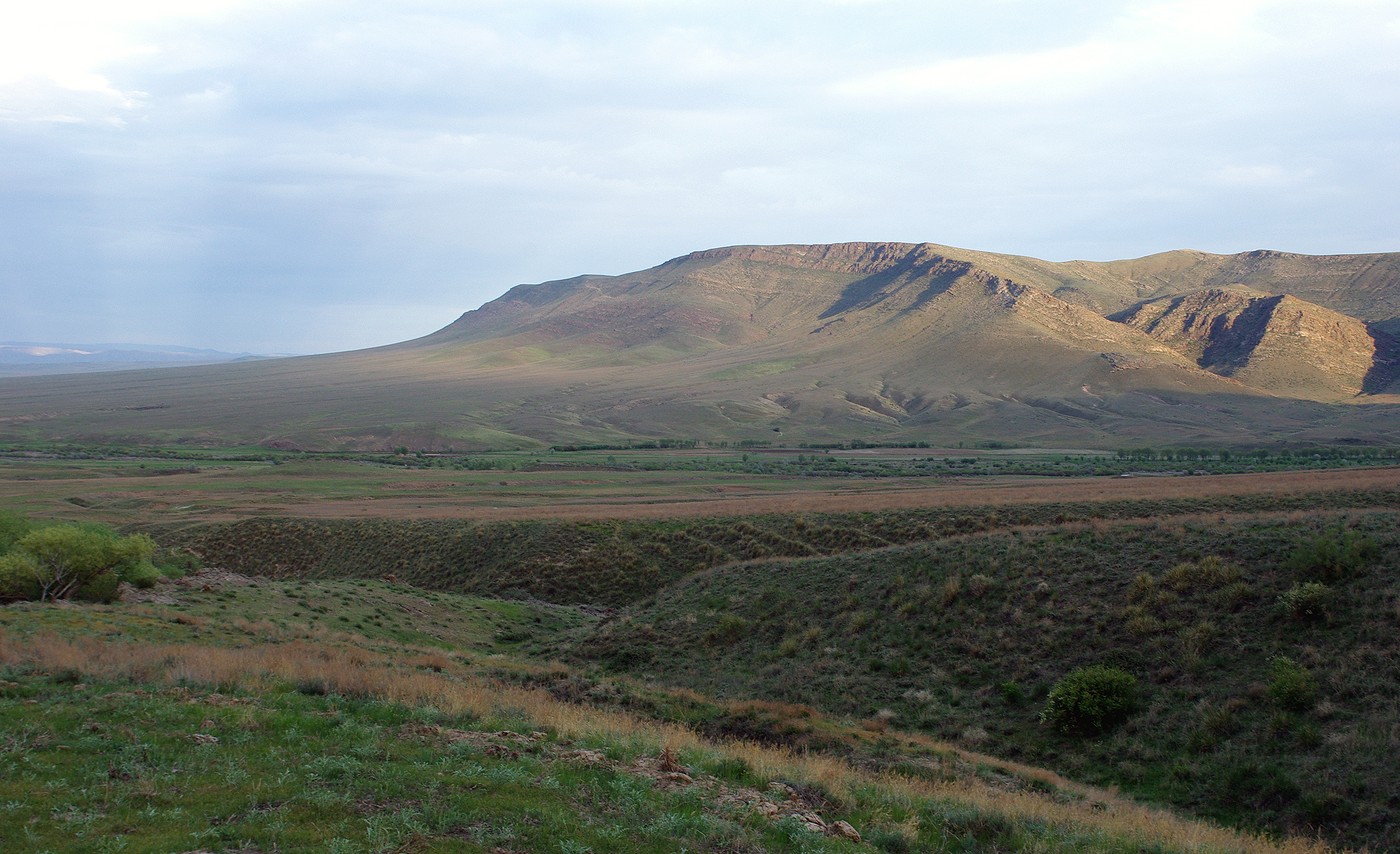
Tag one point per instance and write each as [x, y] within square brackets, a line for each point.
[30, 358]
[792, 344]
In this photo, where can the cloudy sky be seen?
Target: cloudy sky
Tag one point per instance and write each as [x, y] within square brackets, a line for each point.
[281, 176]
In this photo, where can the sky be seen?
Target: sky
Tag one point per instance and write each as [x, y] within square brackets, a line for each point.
[279, 176]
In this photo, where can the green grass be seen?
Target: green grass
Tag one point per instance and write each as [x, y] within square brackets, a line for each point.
[97, 755]
[962, 638]
[112, 766]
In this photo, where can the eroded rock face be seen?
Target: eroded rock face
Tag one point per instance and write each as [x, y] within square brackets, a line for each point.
[1272, 342]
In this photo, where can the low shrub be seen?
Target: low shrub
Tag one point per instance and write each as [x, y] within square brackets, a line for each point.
[729, 629]
[1306, 601]
[143, 574]
[1332, 557]
[101, 589]
[1291, 685]
[18, 578]
[1090, 699]
[1208, 573]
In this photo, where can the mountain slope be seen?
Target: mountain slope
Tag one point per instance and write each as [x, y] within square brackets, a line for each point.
[808, 343]
[1276, 343]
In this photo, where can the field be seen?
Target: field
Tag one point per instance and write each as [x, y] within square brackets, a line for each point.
[138, 487]
[519, 652]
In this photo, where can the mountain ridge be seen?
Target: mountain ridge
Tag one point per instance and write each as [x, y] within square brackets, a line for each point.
[821, 342]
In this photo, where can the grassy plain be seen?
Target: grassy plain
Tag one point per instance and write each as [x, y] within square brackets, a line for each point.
[227, 485]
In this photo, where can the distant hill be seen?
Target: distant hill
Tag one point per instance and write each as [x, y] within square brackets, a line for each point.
[24, 358]
[885, 341]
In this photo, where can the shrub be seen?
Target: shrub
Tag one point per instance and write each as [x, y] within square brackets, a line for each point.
[101, 588]
[19, 578]
[1090, 699]
[1209, 572]
[1292, 686]
[143, 575]
[67, 558]
[1306, 601]
[1332, 557]
[729, 629]
[80, 561]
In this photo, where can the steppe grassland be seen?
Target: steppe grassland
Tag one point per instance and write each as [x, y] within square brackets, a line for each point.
[159, 715]
[578, 485]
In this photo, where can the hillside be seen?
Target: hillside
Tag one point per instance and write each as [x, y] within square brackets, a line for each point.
[816, 343]
[845, 633]
[364, 716]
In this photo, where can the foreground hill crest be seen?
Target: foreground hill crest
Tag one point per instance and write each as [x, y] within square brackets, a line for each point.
[824, 343]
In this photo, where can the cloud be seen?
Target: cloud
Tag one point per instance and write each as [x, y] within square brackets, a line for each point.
[172, 160]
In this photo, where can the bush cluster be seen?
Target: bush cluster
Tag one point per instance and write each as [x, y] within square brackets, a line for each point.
[70, 561]
[1090, 699]
[1306, 601]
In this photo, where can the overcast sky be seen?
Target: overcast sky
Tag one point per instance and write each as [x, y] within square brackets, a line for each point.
[313, 176]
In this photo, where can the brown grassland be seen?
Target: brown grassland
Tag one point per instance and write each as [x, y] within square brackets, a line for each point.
[338, 490]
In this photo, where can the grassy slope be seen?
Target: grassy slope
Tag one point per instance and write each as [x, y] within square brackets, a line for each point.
[220, 716]
[621, 561]
[963, 637]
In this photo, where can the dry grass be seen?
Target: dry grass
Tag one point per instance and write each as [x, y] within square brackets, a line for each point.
[356, 672]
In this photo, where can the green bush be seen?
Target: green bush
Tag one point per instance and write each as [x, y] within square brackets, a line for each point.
[729, 629]
[143, 575]
[18, 578]
[1292, 686]
[68, 557]
[1331, 557]
[1306, 601]
[1090, 699]
[79, 561]
[101, 589]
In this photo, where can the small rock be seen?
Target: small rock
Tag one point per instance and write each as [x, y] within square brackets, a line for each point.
[204, 738]
[844, 830]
